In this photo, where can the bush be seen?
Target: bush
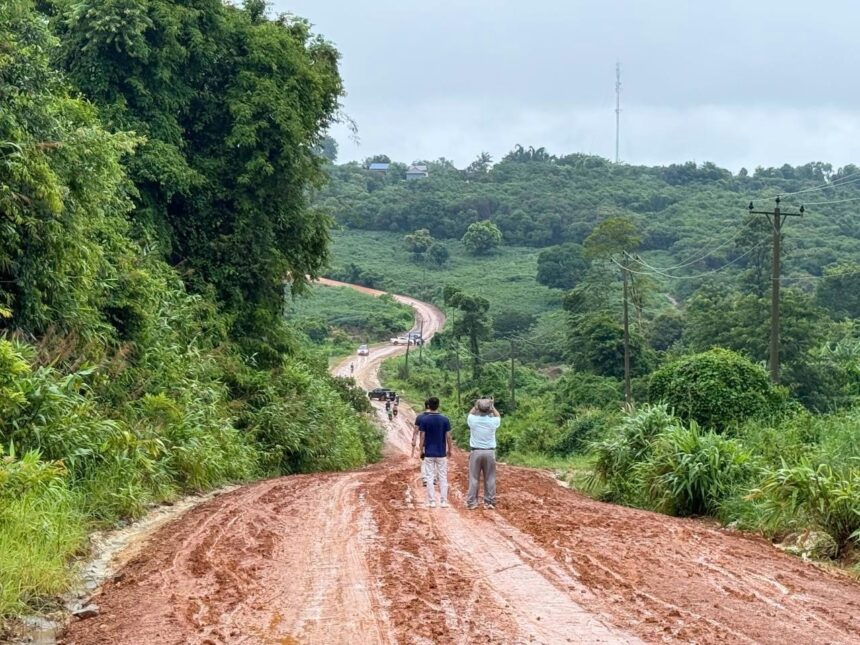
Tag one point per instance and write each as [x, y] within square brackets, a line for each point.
[576, 390]
[717, 388]
[624, 447]
[801, 494]
[691, 472]
[654, 461]
[578, 433]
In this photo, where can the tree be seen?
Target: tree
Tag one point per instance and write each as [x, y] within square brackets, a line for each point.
[480, 166]
[596, 344]
[65, 259]
[328, 149]
[482, 237]
[376, 159]
[234, 107]
[561, 267]
[512, 322]
[612, 238]
[419, 243]
[473, 322]
[438, 254]
[666, 330]
[741, 322]
[838, 291]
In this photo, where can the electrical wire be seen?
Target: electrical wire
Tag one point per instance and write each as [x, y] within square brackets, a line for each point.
[688, 262]
[841, 181]
[691, 277]
[833, 201]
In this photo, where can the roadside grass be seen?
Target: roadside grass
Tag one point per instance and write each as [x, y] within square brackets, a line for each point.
[506, 277]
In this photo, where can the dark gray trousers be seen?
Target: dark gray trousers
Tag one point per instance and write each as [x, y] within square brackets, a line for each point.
[482, 462]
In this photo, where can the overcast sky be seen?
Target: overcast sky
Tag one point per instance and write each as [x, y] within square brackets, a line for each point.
[737, 82]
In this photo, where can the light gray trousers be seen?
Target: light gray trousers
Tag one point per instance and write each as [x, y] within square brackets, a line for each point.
[482, 462]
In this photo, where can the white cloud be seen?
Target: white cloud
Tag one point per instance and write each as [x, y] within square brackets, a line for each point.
[731, 136]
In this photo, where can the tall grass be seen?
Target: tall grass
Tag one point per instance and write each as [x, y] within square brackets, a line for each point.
[41, 526]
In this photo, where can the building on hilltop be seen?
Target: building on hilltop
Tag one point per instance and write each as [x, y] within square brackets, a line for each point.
[417, 171]
[379, 167]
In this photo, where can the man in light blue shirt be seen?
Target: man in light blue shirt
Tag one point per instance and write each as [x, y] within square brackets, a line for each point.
[483, 422]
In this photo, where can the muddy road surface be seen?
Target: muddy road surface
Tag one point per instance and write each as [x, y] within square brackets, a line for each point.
[358, 558]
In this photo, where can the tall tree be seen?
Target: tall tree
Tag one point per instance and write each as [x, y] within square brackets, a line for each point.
[482, 237]
[473, 322]
[234, 107]
[561, 267]
[64, 195]
[418, 243]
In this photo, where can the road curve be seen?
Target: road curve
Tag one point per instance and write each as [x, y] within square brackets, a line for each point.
[358, 558]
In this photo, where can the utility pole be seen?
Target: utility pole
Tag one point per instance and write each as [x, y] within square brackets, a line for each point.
[617, 110]
[628, 393]
[777, 218]
[459, 400]
[513, 386]
[407, 354]
[421, 346]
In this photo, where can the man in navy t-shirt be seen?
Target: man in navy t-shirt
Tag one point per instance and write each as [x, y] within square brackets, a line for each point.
[425, 477]
[436, 446]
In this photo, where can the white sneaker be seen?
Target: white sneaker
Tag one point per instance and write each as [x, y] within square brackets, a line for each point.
[443, 504]
[431, 504]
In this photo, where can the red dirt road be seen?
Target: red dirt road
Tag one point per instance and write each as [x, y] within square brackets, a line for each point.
[358, 558]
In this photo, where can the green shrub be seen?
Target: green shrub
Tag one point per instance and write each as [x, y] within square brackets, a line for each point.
[692, 472]
[578, 433]
[802, 494]
[717, 389]
[576, 390]
[624, 447]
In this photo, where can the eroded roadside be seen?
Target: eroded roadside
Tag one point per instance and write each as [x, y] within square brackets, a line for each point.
[357, 557]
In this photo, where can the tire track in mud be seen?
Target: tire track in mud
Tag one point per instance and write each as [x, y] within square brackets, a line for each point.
[358, 558]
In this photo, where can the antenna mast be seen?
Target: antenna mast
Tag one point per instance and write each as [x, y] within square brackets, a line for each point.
[617, 109]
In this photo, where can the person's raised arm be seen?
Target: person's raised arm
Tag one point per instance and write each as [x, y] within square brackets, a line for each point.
[495, 412]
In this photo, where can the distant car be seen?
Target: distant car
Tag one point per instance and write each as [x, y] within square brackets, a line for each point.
[363, 351]
[415, 337]
[403, 340]
[382, 394]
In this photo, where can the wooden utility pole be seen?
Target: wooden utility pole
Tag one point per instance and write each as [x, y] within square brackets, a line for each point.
[407, 354]
[628, 392]
[459, 400]
[421, 346]
[513, 386]
[776, 217]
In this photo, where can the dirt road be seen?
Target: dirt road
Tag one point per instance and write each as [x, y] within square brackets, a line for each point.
[358, 558]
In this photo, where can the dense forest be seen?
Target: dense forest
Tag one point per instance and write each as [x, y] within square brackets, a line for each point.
[528, 257]
[154, 158]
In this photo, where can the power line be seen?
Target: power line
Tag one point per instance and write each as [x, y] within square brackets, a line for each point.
[698, 258]
[833, 201]
[698, 275]
[841, 181]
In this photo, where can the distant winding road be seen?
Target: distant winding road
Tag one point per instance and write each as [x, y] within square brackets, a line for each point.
[357, 558]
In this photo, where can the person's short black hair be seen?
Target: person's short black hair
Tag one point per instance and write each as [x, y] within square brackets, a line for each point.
[433, 403]
[426, 403]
